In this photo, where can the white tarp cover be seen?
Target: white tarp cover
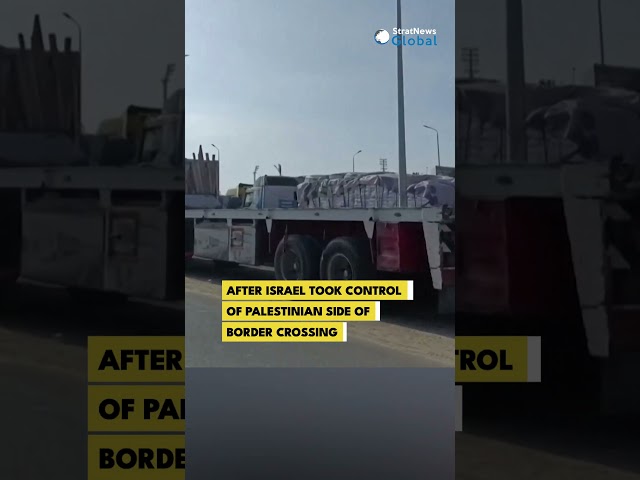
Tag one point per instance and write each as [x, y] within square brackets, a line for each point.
[596, 122]
[609, 124]
[374, 190]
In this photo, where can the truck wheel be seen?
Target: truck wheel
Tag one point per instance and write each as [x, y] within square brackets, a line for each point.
[297, 258]
[347, 258]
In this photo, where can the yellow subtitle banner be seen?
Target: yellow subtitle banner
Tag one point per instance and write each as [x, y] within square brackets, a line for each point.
[136, 408]
[135, 359]
[498, 359]
[136, 457]
[284, 332]
[317, 290]
[308, 311]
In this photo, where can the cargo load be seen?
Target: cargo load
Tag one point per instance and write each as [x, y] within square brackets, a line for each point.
[564, 124]
[374, 190]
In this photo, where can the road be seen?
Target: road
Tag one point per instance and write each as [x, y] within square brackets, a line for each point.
[481, 458]
[529, 441]
[43, 361]
[406, 338]
[43, 368]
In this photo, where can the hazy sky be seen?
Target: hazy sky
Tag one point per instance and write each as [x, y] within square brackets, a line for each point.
[302, 83]
[558, 36]
[126, 46]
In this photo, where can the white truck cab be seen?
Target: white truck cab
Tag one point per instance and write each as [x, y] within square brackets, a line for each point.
[272, 192]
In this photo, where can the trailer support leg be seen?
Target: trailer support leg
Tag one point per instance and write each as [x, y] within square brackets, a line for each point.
[588, 255]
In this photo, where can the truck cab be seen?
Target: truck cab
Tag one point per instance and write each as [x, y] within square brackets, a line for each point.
[240, 191]
[272, 192]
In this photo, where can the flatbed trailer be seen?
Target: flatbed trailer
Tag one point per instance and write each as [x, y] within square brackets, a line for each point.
[553, 250]
[94, 228]
[311, 244]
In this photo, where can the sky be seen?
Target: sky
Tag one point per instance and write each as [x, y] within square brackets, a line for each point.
[126, 46]
[303, 84]
[558, 36]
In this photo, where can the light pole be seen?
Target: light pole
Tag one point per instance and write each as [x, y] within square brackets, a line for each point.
[353, 160]
[217, 150]
[171, 67]
[437, 140]
[600, 31]
[402, 153]
[79, 93]
[516, 89]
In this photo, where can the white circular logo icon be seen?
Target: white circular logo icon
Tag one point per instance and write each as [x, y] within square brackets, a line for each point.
[381, 37]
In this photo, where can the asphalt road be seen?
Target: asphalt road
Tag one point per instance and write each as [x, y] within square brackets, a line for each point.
[408, 337]
[43, 369]
[482, 458]
[528, 439]
[43, 364]
[42, 418]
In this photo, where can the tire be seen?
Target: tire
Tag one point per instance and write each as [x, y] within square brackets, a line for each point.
[351, 256]
[298, 258]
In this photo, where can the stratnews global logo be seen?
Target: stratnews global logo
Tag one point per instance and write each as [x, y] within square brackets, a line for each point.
[407, 36]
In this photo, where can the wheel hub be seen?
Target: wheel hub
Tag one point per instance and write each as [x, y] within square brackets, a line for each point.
[340, 268]
[291, 266]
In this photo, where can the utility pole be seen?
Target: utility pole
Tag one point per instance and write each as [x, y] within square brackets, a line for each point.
[515, 95]
[383, 164]
[471, 59]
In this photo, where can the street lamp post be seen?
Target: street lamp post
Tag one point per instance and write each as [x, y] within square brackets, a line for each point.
[600, 32]
[79, 92]
[437, 140]
[171, 67]
[217, 150]
[353, 160]
[402, 154]
[516, 89]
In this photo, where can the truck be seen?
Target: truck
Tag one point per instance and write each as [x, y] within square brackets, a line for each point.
[328, 243]
[239, 191]
[550, 247]
[97, 214]
[97, 228]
